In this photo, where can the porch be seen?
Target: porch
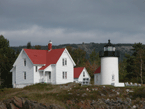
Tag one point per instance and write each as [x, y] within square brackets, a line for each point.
[45, 77]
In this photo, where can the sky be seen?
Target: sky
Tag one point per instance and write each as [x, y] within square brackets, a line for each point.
[72, 21]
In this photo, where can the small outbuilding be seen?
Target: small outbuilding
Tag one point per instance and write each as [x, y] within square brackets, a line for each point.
[81, 76]
[97, 76]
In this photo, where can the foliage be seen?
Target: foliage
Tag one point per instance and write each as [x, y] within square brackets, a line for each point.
[29, 45]
[38, 47]
[78, 55]
[138, 93]
[122, 71]
[7, 58]
[134, 66]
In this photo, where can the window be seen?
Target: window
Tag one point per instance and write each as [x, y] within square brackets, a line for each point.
[64, 61]
[83, 74]
[36, 68]
[49, 75]
[86, 81]
[113, 77]
[24, 62]
[109, 48]
[64, 75]
[24, 75]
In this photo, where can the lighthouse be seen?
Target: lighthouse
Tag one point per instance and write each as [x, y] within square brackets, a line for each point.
[108, 72]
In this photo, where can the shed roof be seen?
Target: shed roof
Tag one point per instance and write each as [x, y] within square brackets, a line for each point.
[77, 71]
[98, 70]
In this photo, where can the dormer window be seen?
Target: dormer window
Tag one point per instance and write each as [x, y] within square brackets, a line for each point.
[24, 62]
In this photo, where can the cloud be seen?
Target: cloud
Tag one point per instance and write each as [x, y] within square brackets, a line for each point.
[72, 21]
[40, 36]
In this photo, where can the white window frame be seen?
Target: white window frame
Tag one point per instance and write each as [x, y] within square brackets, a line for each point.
[24, 61]
[24, 75]
[83, 73]
[64, 61]
[64, 75]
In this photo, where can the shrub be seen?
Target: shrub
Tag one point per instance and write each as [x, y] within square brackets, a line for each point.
[138, 92]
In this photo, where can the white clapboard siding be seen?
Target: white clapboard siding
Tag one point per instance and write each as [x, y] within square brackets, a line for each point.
[20, 68]
[36, 74]
[80, 79]
[14, 76]
[97, 79]
[53, 74]
[69, 68]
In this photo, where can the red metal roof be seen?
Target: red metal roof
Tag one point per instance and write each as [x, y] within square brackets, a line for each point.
[77, 71]
[98, 70]
[36, 56]
[44, 56]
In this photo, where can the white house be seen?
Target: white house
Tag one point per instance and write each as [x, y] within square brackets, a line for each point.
[54, 66]
[108, 73]
[81, 75]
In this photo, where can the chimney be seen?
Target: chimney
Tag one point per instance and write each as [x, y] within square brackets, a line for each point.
[49, 45]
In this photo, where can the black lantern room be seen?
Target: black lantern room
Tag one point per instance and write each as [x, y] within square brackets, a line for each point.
[109, 51]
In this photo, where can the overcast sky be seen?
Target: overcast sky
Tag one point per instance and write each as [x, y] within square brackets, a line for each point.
[72, 21]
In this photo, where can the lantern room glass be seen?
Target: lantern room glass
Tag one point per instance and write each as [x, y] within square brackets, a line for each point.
[109, 48]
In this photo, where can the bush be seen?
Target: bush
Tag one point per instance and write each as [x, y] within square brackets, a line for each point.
[138, 92]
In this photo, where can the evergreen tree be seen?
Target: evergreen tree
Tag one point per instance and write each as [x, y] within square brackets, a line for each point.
[7, 58]
[123, 71]
[29, 45]
[78, 55]
[139, 62]
[135, 64]
[38, 47]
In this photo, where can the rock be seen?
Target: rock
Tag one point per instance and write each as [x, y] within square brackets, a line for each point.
[20, 103]
[17, 101]
[84, 94]
[134, 107]
[7, 103]
[13, 106]
[118, 93]
[102, 94]
[2, 106]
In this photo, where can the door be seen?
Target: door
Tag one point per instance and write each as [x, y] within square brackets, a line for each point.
[48, 76]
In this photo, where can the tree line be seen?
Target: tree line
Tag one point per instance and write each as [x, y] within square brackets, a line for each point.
[131, 69]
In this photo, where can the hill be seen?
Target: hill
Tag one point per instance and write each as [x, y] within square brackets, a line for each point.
[89, 47]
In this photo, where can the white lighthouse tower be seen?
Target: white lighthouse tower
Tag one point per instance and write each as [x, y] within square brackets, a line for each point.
[109, 70]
